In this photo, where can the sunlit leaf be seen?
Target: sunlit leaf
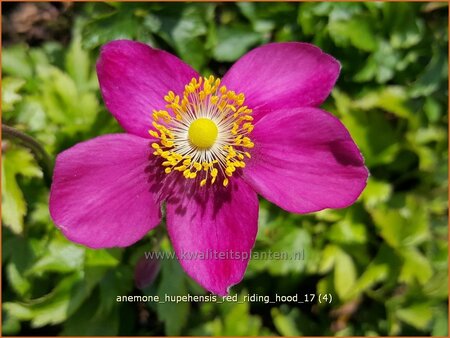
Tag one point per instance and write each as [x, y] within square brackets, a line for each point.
[16, 61]
[10, 92]
[418, 315]
[15, 162]
[344, 274]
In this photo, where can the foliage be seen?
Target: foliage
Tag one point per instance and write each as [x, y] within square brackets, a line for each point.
[384, 260]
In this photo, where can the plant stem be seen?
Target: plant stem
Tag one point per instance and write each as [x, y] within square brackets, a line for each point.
[41, 156]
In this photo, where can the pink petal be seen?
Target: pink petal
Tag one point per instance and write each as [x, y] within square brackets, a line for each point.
[283, 75]
[208, 220]
[304, 160]
[102, 191]
[134, 78]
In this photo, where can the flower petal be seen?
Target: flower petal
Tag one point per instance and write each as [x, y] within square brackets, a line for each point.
[102, 194]
[213, 231]
[134, 78]
[304, 160]
[283, 75]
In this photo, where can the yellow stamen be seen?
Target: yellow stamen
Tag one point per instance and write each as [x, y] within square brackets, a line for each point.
[203, 133]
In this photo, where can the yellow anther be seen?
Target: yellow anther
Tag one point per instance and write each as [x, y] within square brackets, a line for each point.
[214, 99]
[167, 143]
[153, 133]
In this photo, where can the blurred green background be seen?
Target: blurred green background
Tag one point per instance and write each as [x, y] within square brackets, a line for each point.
[384, 260]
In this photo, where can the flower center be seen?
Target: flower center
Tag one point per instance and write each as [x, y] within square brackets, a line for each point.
[203, 133]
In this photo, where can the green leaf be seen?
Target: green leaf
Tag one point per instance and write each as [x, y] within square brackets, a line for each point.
[233, 42]
[433, 109]
[437, 286]
[287, 251]
[60, 256]
[286, 324]
[237, 320]
[174, 315]
[415, 266]
[232, 319]
[188, 32]
[402, 227]
[344, 274]
[60, 303]
[16, 61]
[50, 309]
[440, 325]
[15, 162]
[10, 92]
[418, 315]
[77, 62]
[185, 30]
[255, 14]
[432, 76]
[116, 24]
[10, 326]
[117, 281]
[386, 59]
[348, 232]
[85, 322]
[306, 19]
[390, 98]
[383, 268]
[30, 112]
[328, 258]
[405, 27]
[103, 258]
[357, 30]
[378, 148]
[65, 104]
[376, 192]
[18, 282]
[19, 255]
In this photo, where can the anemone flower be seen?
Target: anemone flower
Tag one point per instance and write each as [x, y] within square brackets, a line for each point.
[206, 147]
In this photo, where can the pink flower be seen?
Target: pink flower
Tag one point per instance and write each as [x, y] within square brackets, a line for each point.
[206, 148]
